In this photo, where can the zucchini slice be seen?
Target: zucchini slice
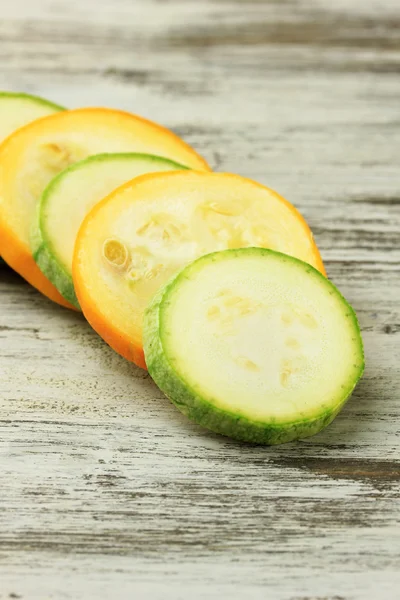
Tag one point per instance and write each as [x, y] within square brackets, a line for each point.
[255, 345]
[35, 154]
[67, 200]
[18, 109]
[136, 239]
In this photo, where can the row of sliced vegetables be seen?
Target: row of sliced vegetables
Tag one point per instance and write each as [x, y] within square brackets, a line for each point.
[211, 281]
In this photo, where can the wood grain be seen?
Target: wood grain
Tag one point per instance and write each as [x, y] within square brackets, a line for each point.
[106, 491]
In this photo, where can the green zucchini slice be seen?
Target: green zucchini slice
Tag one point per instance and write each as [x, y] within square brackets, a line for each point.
[254, 345]
[70, 197]
[18, 109]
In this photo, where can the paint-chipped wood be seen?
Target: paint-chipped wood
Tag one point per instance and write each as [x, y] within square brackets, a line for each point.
[106, 491]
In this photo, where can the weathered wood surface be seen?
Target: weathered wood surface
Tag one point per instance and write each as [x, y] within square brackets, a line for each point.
[105, 490]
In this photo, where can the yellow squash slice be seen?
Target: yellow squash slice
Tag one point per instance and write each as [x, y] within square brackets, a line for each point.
[35, 154]
[133, 241]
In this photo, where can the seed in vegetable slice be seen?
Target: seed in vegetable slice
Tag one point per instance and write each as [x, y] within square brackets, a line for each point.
[35, 154]
[17, 109]
[67, 200]
[161, 222]
[254, 344]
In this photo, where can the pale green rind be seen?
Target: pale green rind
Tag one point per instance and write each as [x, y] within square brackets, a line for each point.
[190, 401]
[56, 273]
[36, 99]
[43, 251]
[45, 258]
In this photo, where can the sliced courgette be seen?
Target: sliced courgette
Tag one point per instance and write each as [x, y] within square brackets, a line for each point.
[147, 230]
[254, 345]
[35, 154]
[67, 200]
[18, 109]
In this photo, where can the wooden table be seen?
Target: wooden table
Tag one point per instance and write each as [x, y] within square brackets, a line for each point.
[106, 491]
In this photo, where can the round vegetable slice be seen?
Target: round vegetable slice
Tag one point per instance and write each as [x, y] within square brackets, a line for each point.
[67, 200]
[35, 154]
[147, 230]
[18, 109]
[255, 345]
